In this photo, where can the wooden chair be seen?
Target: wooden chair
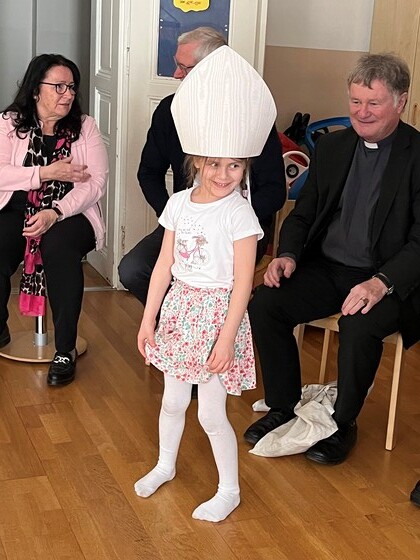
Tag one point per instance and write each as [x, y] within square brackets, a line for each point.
[330, 326]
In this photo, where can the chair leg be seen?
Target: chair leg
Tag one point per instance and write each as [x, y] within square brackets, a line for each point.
[396, 374]
[328, 337]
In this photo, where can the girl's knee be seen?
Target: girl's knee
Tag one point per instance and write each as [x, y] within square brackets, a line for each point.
[173, 405]
[212, 425]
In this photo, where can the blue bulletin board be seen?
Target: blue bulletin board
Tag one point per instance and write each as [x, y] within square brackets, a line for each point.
[178, 16]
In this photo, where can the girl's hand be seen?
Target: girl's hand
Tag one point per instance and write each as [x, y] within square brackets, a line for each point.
[39, 223]
[221, 357]
[145, 335]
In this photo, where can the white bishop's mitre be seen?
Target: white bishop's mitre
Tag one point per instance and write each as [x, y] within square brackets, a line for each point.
[223, 108]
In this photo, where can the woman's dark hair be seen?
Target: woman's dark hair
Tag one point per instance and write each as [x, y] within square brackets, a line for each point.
[24, 104]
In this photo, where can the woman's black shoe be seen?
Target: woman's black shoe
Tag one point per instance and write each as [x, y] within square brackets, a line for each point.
[62, 369]
[4, 337]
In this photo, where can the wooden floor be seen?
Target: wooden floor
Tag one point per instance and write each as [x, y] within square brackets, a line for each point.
[69, 458]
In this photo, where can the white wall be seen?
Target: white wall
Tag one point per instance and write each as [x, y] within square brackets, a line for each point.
[320, 24]
[31, 27]
[15, 45]
[63, 26]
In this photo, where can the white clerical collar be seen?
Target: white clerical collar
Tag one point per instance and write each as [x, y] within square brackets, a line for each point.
[371, 145]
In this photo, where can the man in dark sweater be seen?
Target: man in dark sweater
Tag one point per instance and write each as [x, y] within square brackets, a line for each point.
[163, 150]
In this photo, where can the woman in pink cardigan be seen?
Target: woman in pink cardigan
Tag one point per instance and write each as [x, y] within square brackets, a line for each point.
[53, 173]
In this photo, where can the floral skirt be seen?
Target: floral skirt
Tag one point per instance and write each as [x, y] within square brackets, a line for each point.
[190, 323]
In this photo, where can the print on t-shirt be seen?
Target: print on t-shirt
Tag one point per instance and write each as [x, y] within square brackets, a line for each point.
[190, 245]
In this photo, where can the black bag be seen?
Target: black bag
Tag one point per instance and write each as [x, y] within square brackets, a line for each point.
[296, 131]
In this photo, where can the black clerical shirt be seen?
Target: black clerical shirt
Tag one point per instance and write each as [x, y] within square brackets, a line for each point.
[348, 238]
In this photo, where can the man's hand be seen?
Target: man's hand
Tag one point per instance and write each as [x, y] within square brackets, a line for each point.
[364, 296]
[283, 266]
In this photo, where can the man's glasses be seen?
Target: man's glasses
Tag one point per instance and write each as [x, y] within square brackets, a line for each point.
[184, 69]
[62, 88]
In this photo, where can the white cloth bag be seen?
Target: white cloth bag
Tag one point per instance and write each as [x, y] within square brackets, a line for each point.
[312, 423]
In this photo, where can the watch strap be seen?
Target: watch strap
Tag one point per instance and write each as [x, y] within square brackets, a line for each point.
[58, 212]
[386, 281]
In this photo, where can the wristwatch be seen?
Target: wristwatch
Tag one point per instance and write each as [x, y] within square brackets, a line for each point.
[58, 212]
[385, 280]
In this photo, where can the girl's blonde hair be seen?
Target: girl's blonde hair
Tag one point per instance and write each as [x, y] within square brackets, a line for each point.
[193, 164]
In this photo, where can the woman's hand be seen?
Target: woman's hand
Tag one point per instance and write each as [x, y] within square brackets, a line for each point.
[64, 170]
[40, 223]
[221, 357]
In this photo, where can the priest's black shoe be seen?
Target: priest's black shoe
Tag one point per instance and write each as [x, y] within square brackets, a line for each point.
[415, 494]
[334, 449]
[272, 420]
[62, 369]
[4, 337]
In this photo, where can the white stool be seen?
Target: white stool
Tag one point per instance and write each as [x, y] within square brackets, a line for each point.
[37, 346]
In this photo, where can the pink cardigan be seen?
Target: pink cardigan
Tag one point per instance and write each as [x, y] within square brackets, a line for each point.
[84, 198]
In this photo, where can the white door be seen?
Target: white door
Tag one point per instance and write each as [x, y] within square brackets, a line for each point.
[125, 90]
[107, 101]
[247, 27]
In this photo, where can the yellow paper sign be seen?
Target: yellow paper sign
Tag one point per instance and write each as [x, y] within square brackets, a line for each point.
[192, 5]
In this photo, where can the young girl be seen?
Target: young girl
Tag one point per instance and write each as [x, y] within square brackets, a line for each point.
[204, 335]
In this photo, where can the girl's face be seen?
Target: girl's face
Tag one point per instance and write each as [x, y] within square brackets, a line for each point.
[219, 176]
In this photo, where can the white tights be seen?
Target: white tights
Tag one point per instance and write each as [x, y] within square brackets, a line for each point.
[212, 417]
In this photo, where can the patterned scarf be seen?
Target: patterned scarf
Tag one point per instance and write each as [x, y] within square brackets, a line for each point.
[32, 297]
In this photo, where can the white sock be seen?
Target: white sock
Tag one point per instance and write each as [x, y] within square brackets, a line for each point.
[148, 484]
[218, 508]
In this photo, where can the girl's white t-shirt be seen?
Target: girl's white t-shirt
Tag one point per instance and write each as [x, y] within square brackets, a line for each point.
[204, 236]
